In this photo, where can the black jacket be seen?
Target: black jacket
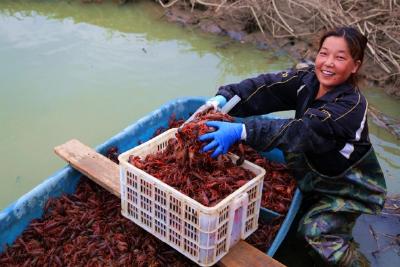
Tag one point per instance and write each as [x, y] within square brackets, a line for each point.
[332, 131]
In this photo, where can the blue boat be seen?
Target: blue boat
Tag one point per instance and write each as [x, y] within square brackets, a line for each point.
[16, 217]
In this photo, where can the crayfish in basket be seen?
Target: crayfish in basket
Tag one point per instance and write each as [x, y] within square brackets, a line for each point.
[189, 148]
[183, 166]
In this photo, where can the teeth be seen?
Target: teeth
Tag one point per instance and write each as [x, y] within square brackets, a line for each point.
[327, 72]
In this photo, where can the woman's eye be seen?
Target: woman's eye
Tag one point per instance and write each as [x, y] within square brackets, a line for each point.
[341, 58]
[322, 53]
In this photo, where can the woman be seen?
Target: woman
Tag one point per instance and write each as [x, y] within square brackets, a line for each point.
[326, 144]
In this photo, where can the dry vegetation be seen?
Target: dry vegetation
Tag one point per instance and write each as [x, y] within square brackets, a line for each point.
[304, 20]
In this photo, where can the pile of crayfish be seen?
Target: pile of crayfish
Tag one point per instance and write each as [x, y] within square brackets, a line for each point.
[87, 229]
[183, 166]
[279, 183]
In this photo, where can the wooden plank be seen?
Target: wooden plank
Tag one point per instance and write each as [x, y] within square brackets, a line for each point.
[244, 254]
[92, 164]
[106, 173]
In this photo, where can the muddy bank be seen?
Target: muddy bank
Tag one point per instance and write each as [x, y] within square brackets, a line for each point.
[302, 49]
[210, 18]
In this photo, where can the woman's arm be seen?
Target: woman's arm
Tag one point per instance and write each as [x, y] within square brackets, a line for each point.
[290, 135]
[319, 130]
[264, 94]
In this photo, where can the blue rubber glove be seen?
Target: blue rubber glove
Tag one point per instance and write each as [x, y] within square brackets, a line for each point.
[225, 135]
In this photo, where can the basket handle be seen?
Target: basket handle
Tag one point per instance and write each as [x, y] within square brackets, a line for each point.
[237, 217]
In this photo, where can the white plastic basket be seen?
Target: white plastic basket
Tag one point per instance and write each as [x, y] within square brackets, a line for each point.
[203, 234]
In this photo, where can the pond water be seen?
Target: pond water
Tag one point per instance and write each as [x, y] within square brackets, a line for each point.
[86, 71]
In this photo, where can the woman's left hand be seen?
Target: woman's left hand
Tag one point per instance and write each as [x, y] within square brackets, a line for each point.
[225, 135]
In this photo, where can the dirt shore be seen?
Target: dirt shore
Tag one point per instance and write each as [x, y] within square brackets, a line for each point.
[301, 49]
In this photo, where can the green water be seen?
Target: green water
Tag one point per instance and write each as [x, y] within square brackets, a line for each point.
[72, 70]
[86, 71]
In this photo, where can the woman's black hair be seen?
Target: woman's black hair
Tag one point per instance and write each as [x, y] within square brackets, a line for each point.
[356, 42]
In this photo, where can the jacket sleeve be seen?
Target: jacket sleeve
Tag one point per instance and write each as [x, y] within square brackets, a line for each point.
[319, 130]
[264, 94]
[291, 135]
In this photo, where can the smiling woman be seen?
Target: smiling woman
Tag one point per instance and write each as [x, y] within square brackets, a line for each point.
[326, 145]
[339, 58]
[70, 70]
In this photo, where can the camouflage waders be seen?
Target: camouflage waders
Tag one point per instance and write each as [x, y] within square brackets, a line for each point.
[337, 202]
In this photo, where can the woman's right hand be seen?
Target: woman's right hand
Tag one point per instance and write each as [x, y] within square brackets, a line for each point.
[213, 103]
[216, 102]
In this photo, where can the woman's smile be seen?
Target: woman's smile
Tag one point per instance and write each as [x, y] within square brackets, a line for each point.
[327, 73]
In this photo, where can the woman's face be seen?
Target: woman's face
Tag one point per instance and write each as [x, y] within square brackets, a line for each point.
[334, 63]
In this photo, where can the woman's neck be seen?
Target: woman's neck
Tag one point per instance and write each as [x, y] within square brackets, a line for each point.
[322, 90]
